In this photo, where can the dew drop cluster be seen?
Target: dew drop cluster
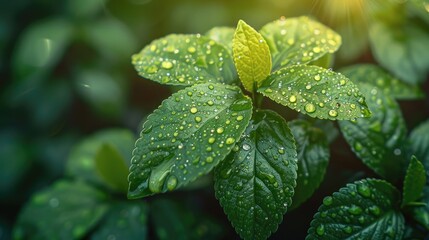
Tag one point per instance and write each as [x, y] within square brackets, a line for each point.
[188, 135]
[185, 60]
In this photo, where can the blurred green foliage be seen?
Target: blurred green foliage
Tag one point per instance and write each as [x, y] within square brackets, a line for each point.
[65, 73]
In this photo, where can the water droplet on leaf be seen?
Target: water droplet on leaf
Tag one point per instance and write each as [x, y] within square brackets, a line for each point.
[333, 113]
[171, 183]
[320, 230]
[230, 141]
[167, 65]
[327, 201]
[310, 108]
[246, 147]
[364, 190]
[194, 110]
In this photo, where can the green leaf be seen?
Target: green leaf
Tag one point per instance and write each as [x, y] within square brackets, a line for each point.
[101, 91]
[414, 182]
[419, 139]
[81, 162]
[376, 76]
[328, 127]
[401, 49]
[187, 136]
[222, 35]
[413, 232]
[299, 41]
[421, 214]
[84, 9]
[255, 183]
[366, 209]
[67, 210]
[15, 162]
[420, 8]
[317, 92]
[125, 220]
[185, 60]
[326, 61]
[104, 36]
[378, 141]
[41, 46]
[174, 220]
[251, 56]
[112, 167]
[313, 159]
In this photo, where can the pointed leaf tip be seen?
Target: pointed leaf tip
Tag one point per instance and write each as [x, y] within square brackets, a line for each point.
[251, 56]
[414, 182]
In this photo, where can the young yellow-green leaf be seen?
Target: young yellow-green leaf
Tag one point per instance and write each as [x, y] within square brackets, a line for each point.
[376, 76]
[366, 209]
[255, 183]
[187, 136]
[379, 140]
[185, 60]
[251, 56]
[317, 92]
[414, 182]
[112, 167]
[222, 35]
[125, 220]
[313, 158]
[66, 210]
[299, 40]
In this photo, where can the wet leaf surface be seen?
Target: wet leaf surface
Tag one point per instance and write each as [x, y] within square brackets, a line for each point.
[317, 92]
[379, 141]
[185, 60]
[366, 209]
[187, 136]
[299, 40]
[255, 183]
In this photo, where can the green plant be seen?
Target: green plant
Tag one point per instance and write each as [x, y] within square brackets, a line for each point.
[262, 164]
[212, 124]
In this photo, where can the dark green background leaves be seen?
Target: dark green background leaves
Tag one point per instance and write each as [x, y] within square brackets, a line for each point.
[313, 158]
[378, 141]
